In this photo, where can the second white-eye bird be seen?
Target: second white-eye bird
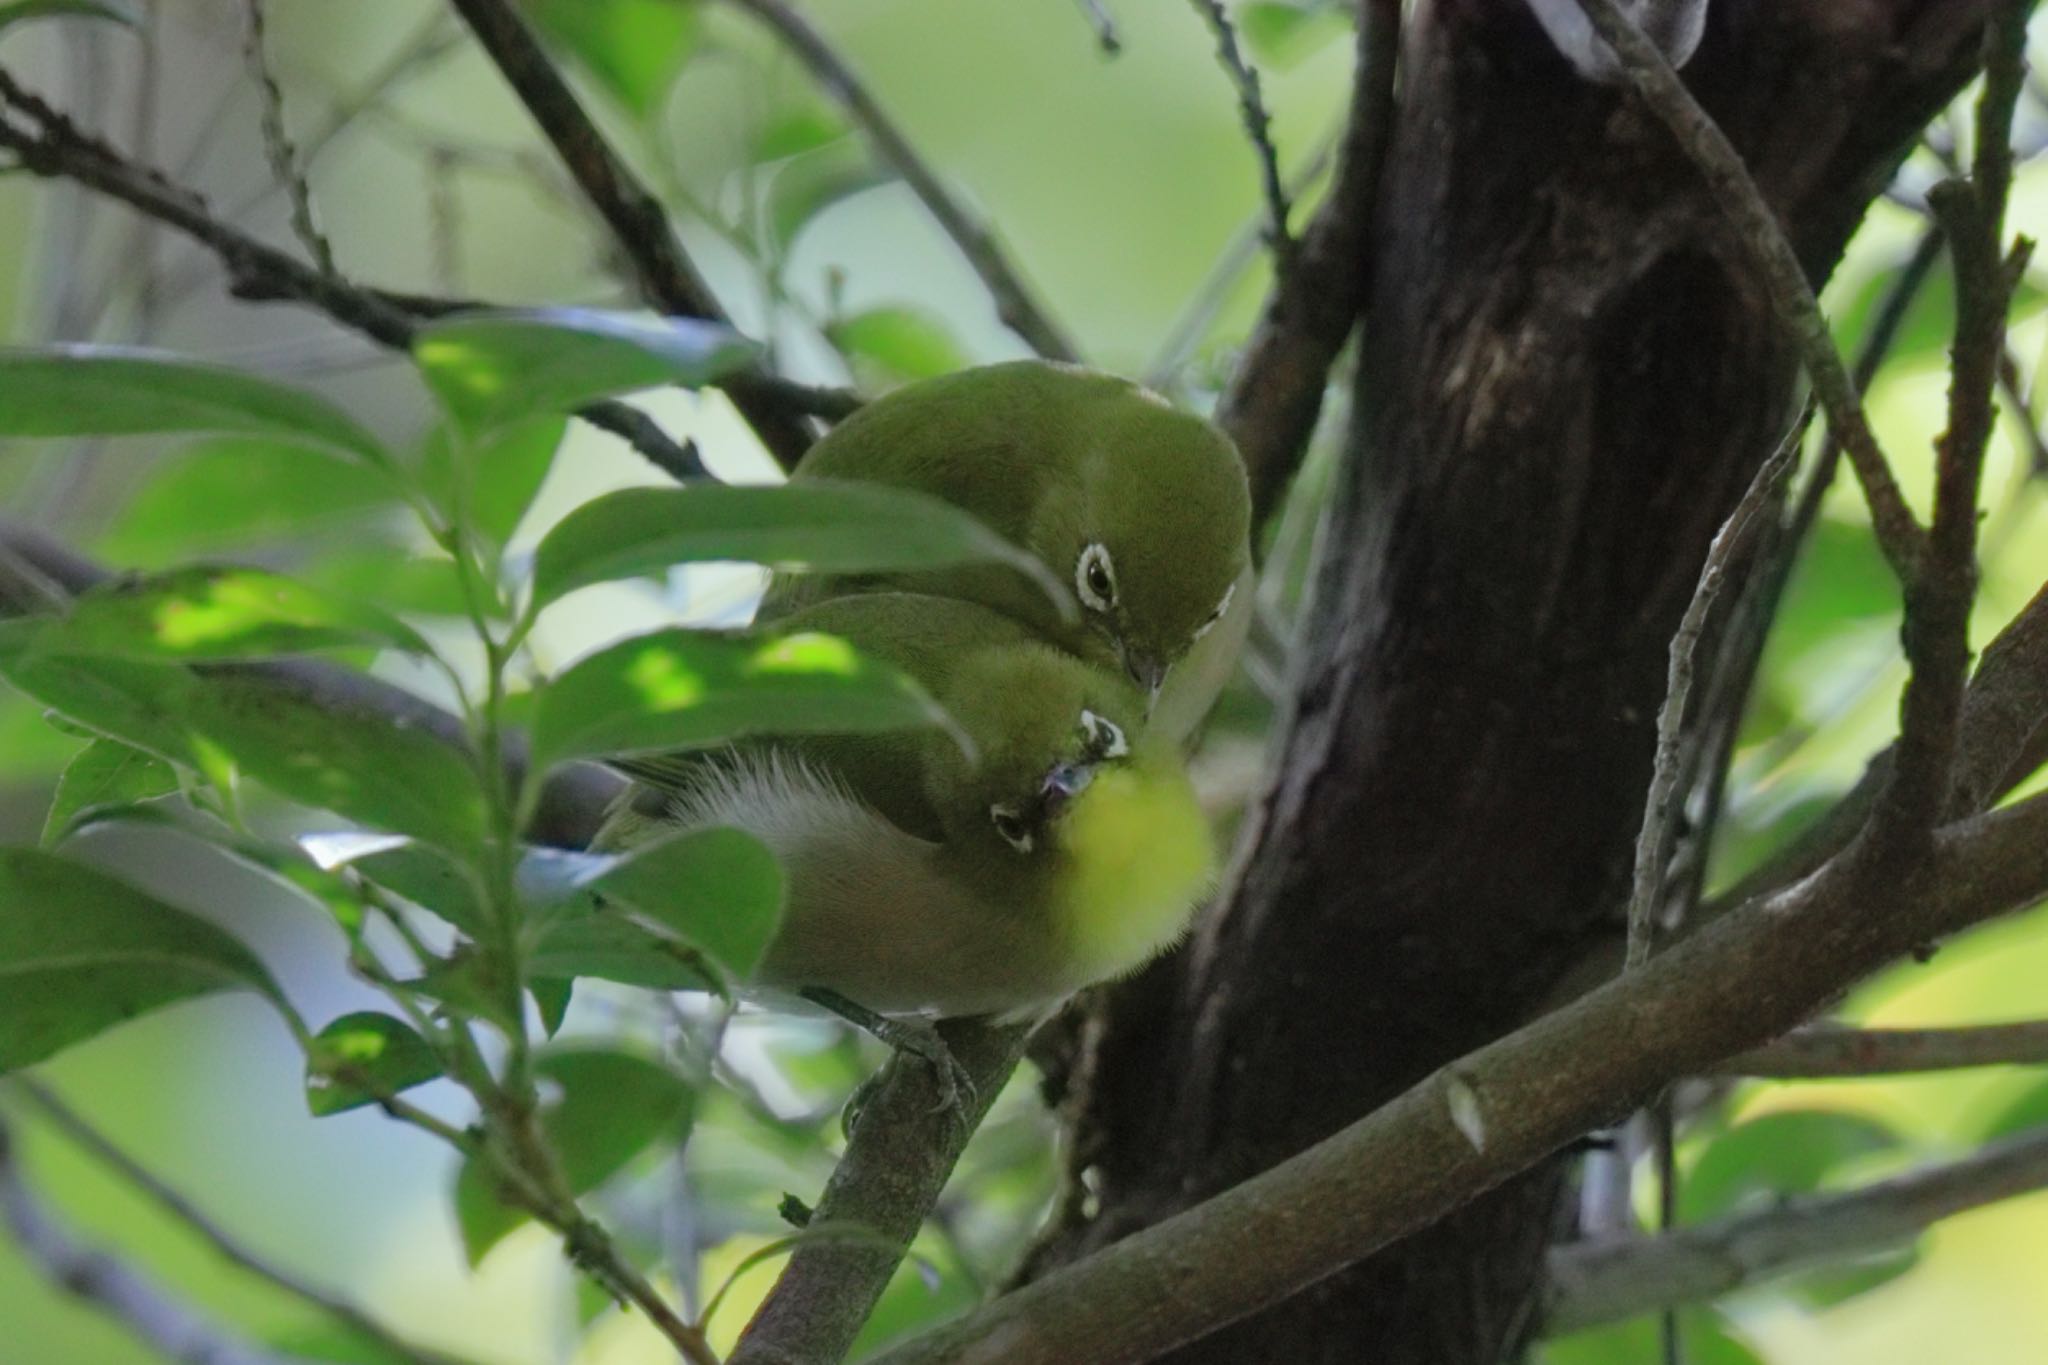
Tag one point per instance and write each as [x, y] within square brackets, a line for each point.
[1067, 848]
[1141, 509]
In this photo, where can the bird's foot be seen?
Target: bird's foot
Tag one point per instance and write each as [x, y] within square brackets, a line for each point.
[914, 1037]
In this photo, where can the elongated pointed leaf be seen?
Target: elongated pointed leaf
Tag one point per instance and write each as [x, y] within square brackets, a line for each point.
[718, 889]
[605, 945]
[214, 612]
[680, 689]
[633, 48]
[820, 525]
[114, 11]
[320, 752]
[113, 391]
[105, 773]
[490, 369]
[80, 951]
[614, 1106]
[360, 1058]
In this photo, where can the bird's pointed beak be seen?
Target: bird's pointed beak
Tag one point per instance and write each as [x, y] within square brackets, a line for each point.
[1148, 672]
[1062, 784]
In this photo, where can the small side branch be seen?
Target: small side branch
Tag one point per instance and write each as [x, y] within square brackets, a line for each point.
[74, 1127]
[1015, 304]
[153, 1316]
[1258, 125]
[1829, 1050]
[1614, 1278]
[277, 142]
[628, 208]
[1778, 272]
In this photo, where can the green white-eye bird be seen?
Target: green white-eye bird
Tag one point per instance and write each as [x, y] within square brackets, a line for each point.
[1143, 510]
[1067, 848]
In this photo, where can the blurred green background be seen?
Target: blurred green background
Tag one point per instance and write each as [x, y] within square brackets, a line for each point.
[1119, 186]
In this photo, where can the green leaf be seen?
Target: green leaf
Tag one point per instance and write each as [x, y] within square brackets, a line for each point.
[890, 346]
[633, 48]
[1794, 1151]
[492, 369]
[1929, 326]
[81, 951]
[116, 11]
[113, 391]
[606, 946]
[551, 996]
[800, 131]
[360, 1058]
[719, 889]
[681, 689]
[429, 879]
[504, 471]
[218, 612]
[817, 525]
[1706, 1337]
[423, 584]
[228, 492]
[105, 773]
[326, 752]
[807, 184]
[1283, 33]
[614, 1106]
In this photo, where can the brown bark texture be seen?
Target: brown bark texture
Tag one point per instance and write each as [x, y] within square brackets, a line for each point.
[1564, 383]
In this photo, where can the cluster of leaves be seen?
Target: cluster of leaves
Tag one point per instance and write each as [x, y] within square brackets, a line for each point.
[178, 684]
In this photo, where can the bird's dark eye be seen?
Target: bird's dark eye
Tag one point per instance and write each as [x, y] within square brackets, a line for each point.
[1095, 578]
[1012, 826]
[1103, 738]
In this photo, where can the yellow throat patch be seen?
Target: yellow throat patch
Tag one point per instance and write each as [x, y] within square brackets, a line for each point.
[1139, 858]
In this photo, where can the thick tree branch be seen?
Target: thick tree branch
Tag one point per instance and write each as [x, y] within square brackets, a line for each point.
[1016, 305]
[1832, 1050]
[101, 1148]
[897, 1161]
[1270, 405]
[666, 277]
[1613, 1278]
[157, 1320]
[1778, 274]
[1501, 1109]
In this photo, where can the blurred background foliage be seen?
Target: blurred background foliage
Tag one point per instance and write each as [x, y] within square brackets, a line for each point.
[1125, 190]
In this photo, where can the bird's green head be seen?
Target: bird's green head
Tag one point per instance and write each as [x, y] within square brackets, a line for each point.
[1073, 804]
[1152, 533]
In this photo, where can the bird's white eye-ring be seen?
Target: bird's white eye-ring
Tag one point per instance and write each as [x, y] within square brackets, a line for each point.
[1095, 578]
[1105, 738]
[1216, 615]
[1011, 825]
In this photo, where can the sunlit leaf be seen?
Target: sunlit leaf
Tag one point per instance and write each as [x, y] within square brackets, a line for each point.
[216, 612]
[328, 751]
[1929, 325]
[81, 951]
[105, 773]
[84, 390]
[633, 48]
[128, 12]
[614, 1106]
[360, 1058]
[819, 525]
[491, 369]
[1706, 1338]
[890, 346]
[1784, 1153]
[681, 689]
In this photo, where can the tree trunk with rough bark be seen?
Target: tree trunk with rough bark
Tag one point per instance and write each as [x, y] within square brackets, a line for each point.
[1564, 383]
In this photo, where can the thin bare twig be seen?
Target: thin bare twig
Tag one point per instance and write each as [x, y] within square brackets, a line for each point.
[75, 1127]
[1777, 270]
[636, 218]
[156, 1319]
[1613, 1278]
[1653, 841]
[277, 142]
[1015, 304]
[1104, 23]
[1270, 405]
[1938, 598]
[48, 144]
[1832, 1050]
[1258, 125]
